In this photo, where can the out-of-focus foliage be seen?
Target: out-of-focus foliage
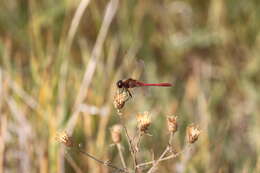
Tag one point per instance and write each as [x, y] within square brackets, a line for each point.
[209, 49]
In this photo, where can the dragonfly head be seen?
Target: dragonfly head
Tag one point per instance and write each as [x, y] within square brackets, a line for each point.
[119, 84]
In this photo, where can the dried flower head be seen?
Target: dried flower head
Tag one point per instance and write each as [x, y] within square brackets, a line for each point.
[144, 121]
[120, 98]
[193, 133]
[172, 124]
[65, 139]
[116, 133]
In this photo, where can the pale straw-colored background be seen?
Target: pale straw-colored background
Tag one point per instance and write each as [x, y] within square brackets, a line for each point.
[60, 60]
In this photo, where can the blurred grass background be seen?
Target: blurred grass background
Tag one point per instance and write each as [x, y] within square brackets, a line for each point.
[208, 49]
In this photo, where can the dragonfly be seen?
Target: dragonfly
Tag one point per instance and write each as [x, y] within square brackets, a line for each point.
[132, 83]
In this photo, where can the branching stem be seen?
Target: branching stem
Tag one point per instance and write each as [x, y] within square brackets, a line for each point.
[129, 140]
[165, 158]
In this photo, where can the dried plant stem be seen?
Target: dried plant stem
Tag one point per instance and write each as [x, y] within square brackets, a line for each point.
[170, 139]
[95, 55]
[76, 20]
[131, 146]
[138, 141]
[165, 158]
[119, 148]
[160, 158]
[100, 161]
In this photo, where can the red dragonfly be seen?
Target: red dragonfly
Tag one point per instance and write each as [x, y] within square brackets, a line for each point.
[132, 83]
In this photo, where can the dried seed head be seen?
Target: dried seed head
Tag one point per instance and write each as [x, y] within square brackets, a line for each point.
[144, 121]
[172, 124]
[116, 133]
[120, 98]
[107, 162]
[65, 139]
[193, 133]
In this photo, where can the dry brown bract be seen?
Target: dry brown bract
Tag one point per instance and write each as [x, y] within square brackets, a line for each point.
[193, 133]
[144, 121]
[65, 139]
[172, 124]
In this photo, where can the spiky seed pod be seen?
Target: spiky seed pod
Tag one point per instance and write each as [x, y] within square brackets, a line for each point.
[65, 139]
[172, 124]
[144, 121]
[116, 133]
[193, 133]
[120, 98]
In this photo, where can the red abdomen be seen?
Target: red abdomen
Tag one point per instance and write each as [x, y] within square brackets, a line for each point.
[155, 84]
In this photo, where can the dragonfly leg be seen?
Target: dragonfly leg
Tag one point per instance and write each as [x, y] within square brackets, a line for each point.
[130, 94]
[125, 90]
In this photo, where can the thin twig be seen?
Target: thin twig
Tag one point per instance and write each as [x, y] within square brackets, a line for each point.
[100, 161]
[177, 154]
[131, 146]
[119, 148]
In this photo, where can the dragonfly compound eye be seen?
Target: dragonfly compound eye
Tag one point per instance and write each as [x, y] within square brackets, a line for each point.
[119, 84]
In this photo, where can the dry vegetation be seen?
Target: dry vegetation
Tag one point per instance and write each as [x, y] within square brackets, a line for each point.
[60, 60]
